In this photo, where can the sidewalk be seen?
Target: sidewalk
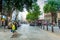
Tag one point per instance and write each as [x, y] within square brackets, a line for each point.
[56, 29]
[52, 35]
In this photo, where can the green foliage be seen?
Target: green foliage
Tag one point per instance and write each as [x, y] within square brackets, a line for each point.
[17, 4]
[29, 17]
[51, 6]
[34, 13]
[36, 9]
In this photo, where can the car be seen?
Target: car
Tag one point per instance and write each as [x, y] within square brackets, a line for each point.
[32, 24]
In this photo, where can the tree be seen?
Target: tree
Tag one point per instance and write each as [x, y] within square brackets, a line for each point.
[33, 14]
[51, 6]
[10, 5]
[29, 17]
[0, 6]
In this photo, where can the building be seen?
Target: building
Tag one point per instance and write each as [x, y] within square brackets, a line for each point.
[47, 17]
[58, 17]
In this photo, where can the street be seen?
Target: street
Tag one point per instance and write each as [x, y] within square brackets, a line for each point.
[26, 32]
[29, 19]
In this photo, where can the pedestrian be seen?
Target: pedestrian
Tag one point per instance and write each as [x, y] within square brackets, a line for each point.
[59, 24]
[3, 24]
[13, 30]
[16, 26]
[53, 23]
[6, 24]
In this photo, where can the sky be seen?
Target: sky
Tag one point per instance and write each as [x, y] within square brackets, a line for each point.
[41, 5]
[22, 15]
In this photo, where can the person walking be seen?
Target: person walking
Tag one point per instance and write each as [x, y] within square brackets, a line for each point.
[6, 23]
[13, 30]
[59, 24]
[3, 24]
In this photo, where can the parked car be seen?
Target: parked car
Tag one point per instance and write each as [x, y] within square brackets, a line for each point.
[36, 23]
[32, 24]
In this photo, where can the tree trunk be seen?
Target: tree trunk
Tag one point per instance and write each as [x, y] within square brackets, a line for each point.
[9, 14]
[47, 27]
[52, 15]
[0, 5]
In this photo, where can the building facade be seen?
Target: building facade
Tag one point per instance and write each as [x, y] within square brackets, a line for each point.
[47, 17]
[58, 18]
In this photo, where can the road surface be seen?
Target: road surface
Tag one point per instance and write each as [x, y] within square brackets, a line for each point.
[26, 32]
